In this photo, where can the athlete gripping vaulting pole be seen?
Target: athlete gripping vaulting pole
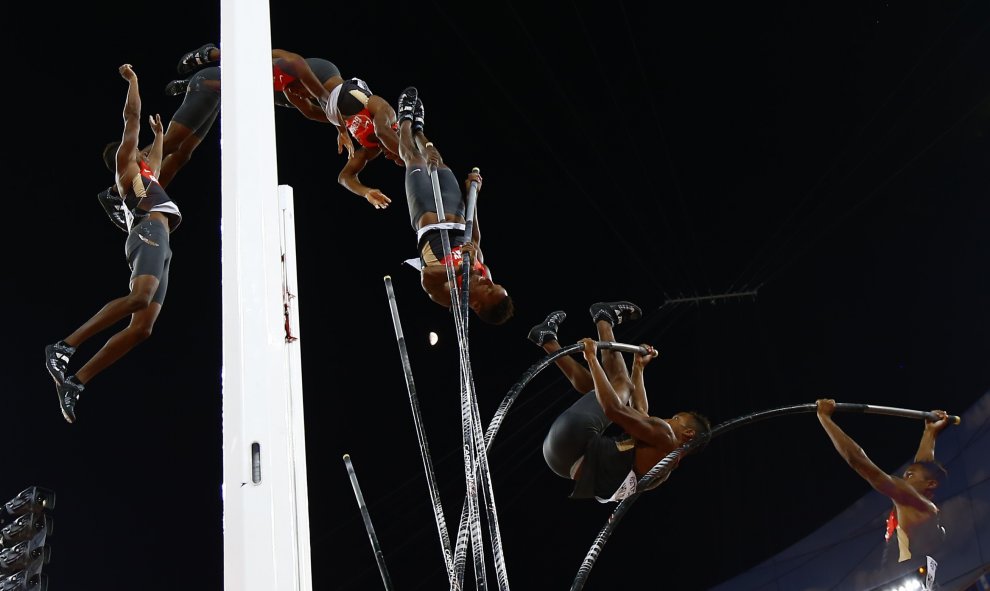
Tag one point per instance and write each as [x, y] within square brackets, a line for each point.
[489, 300]
[459, 290]
[436, 205]
[661, 470]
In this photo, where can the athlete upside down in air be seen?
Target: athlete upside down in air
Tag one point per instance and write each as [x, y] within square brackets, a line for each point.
[604, 467]
[489, 300]
[312, 86]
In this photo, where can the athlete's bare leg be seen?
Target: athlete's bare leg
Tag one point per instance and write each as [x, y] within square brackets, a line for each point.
[613, 363]
[137, 304]
[577, 374]
[137, 331]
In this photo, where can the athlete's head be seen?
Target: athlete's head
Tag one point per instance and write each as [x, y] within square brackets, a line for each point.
[690, 425]
[490, 301]
[925, 477]
[110, 154]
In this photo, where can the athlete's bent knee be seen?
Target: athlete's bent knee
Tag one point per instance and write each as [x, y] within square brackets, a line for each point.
[139, 301]
[142, 332]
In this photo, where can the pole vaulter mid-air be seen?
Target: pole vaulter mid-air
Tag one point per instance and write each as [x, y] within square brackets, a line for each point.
[630, 484]
[606, 468]
[662, 469]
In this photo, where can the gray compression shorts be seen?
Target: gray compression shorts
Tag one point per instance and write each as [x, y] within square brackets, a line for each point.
[580, 431]
[148, 253]
[323, 69]
[201, 103]
[419, 193]
[569, 435]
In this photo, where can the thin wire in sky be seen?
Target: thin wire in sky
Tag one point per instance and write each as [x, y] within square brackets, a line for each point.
[792, 231]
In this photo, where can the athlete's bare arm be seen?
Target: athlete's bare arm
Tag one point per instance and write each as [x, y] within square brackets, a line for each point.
[856, 457]
[434, 282]
[639, 401]
[475, 227]
[127, 152]
[651, 431]
[344, 141]
[348, 177]
[383, 116]
[926, 447]
[155, 153]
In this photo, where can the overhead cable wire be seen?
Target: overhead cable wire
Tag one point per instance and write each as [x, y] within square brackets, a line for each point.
[796, 230]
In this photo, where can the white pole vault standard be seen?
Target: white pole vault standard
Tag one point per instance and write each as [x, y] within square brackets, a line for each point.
[266, 515]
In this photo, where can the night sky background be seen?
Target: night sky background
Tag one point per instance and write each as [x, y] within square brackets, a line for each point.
[832, 157]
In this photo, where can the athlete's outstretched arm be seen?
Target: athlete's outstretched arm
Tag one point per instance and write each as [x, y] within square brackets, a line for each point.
[650, 430]
[127, 151]
[926, 447]
[348, 178]
[639, 400]
[475, 228]
[851, 452]
[155, 153]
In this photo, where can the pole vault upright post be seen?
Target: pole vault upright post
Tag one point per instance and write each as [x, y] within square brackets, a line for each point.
[265, 507]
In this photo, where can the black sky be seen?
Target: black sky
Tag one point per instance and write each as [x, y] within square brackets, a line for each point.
[832, 157]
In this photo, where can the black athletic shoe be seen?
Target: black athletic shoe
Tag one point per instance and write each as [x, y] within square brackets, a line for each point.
[547, 329]
[57, 359]
[195, 60]
[407, 104]
[68, 397]
[114, 206]
[177, 87]
[615, 312]
[419, 116]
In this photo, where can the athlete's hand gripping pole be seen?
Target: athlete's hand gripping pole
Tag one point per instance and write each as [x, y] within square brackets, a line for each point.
[472, 203]
[466, 262]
